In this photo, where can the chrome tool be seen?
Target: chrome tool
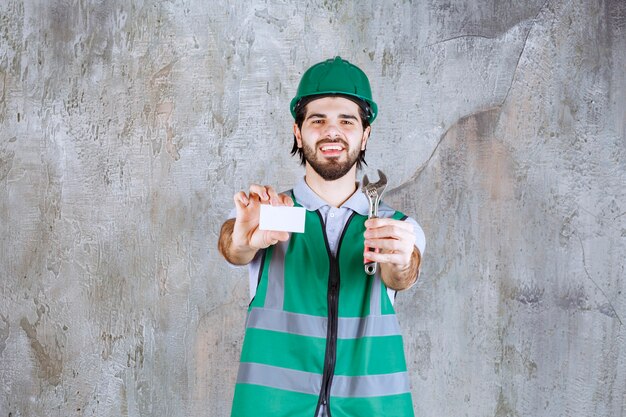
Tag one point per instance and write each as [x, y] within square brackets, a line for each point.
[374, 192]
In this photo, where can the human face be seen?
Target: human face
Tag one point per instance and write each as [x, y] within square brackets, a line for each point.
[332, 136]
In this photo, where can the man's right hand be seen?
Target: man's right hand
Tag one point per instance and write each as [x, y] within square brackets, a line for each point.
[240, 240]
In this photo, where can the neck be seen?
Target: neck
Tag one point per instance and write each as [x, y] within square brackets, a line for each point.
[335, 192]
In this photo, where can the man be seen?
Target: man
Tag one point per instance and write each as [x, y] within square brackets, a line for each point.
[321, 337]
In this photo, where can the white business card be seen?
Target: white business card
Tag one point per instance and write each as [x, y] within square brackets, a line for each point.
[282, 218]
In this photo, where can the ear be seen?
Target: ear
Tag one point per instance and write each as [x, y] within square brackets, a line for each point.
[297, 134]
[366, 135]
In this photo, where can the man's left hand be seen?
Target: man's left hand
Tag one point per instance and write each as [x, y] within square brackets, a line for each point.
[398, 257]
[395, 238]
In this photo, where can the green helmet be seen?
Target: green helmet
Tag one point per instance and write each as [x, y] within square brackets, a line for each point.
[335, 76]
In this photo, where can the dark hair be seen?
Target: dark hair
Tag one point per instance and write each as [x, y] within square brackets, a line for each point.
[364, 111]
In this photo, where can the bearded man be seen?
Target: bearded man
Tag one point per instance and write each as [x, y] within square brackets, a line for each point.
[322, 338]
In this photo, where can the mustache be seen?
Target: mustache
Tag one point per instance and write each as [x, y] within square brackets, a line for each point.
[325, 141]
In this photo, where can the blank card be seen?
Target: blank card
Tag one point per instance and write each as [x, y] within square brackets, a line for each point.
[282, 218]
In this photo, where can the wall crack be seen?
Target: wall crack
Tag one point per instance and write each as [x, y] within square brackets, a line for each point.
[582, 248]
[533, 22]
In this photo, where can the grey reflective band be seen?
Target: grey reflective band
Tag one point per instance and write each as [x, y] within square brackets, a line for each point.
[310, 383]
[315, 326]
[275, 296]
[281, 378]
[370, 385]
[285, 322]
[370, 326]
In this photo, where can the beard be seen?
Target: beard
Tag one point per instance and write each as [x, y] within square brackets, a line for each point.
[330, 169]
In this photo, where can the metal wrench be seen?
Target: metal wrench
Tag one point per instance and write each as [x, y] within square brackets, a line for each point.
[373, 192]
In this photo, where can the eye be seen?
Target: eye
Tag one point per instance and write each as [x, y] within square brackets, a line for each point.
[347, 122]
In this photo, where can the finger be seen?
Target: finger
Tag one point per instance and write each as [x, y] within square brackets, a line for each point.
[285, 200]
[380, 222]
[241, 200]
[274, 199]
[390, 245]
[279, 236]
[250, 209]
[273, 237]
[260, 191]
[390, 232]
[384, 258]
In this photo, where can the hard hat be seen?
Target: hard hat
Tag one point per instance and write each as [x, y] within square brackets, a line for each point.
[335, 76]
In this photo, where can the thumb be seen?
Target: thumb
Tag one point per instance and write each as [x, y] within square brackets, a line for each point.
[274, 237]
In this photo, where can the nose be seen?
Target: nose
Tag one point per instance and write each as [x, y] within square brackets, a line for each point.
[332, 130]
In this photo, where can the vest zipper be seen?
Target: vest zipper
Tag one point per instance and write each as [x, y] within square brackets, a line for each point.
[331, 341]
[330, 357]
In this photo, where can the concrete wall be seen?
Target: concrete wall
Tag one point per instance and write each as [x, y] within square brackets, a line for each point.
[126, 127]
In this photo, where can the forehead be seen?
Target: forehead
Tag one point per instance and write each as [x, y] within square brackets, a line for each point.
[333, 105]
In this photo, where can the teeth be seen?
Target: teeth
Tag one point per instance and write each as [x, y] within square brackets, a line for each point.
[331, 148]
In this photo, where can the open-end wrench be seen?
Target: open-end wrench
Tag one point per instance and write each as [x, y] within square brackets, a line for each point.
[373, 192]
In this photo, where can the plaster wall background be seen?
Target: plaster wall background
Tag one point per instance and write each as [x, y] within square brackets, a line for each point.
[127, 126]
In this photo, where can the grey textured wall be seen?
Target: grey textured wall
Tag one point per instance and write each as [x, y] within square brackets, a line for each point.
[126, 127]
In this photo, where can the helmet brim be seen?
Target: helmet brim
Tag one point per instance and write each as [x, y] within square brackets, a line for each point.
[371, 105]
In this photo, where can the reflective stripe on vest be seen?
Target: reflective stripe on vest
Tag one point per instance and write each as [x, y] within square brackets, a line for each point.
[310, 383]
[307, 325]
[285, 364]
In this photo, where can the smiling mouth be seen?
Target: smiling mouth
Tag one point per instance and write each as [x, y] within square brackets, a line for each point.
[331, 149]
